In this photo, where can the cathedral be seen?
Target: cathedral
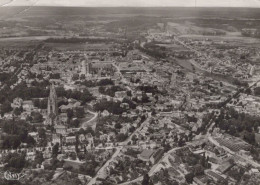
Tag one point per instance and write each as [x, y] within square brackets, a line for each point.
[52, 109]
[96, 68]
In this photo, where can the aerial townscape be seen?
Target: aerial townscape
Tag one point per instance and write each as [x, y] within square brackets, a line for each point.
[129, 96]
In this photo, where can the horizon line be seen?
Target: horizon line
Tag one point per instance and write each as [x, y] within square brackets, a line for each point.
[130, 6]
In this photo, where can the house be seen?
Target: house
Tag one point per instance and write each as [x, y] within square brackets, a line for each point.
[105, 113]
[254, 171]
[103, 174]
[224, 167]
[28, 106]
[17, 103]
[35, 135]
[82, 138]
[103, 137]
[56, 138]
[157, 156]
[125, 106]
[61, 129]
[30, 156]
[201, 180]
[90, 139]
[63, 118]
[139, 95]
[70, 139]
[120, 94]
[64, 108]
[145, 155]
[47, 154]
[215, 176]
[124, 130]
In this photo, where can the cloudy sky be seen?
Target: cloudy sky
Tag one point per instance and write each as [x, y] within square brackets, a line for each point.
[142, 3]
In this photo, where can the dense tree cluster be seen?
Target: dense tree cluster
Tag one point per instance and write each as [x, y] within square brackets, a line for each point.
[257, 91]
[121, 137]
[89, 166]
[42, 83]
[238, 124]
[17, 132]
[5, 77]
[15, 162]
[23, 92]
[79, 112]
[131, 104]
[144, 99]
[110, 106]
[110, 91]
[105, 82]
[55, 76]
[35, 117]
[5, 107]
[149, 89]
[84, 96]
[40, 103]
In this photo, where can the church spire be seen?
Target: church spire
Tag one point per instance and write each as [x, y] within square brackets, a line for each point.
[52, 106]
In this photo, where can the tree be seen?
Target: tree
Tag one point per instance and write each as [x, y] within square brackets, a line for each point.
[42, 133]
[39, 158]
[17, 111]
[153, 112]
[146, 180]
[105, 82]
[36, 117]
[75, 123]
[82, 77]
[6, 107]
[121, 137]
[11, 142]
[131, 104]
[134, 139]
[70, 114]
[250, 137]
[15, 161]
[75, 77]
[101, 89]
[189, 177]
[30, 141]
[55, 76]
[79, 112]
[55, 150]
[118, 125]
[86, 96]
[129, 93]
[145, 98]
[257, 91]
[90, 130]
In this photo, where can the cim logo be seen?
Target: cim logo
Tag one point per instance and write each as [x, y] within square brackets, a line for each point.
[13, 176]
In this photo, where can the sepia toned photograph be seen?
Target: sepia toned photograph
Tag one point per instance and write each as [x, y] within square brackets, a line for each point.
[129, 92]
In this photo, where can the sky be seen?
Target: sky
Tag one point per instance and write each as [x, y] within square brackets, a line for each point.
[134, 3]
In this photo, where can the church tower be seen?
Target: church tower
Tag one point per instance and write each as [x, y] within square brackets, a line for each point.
[52, 109]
